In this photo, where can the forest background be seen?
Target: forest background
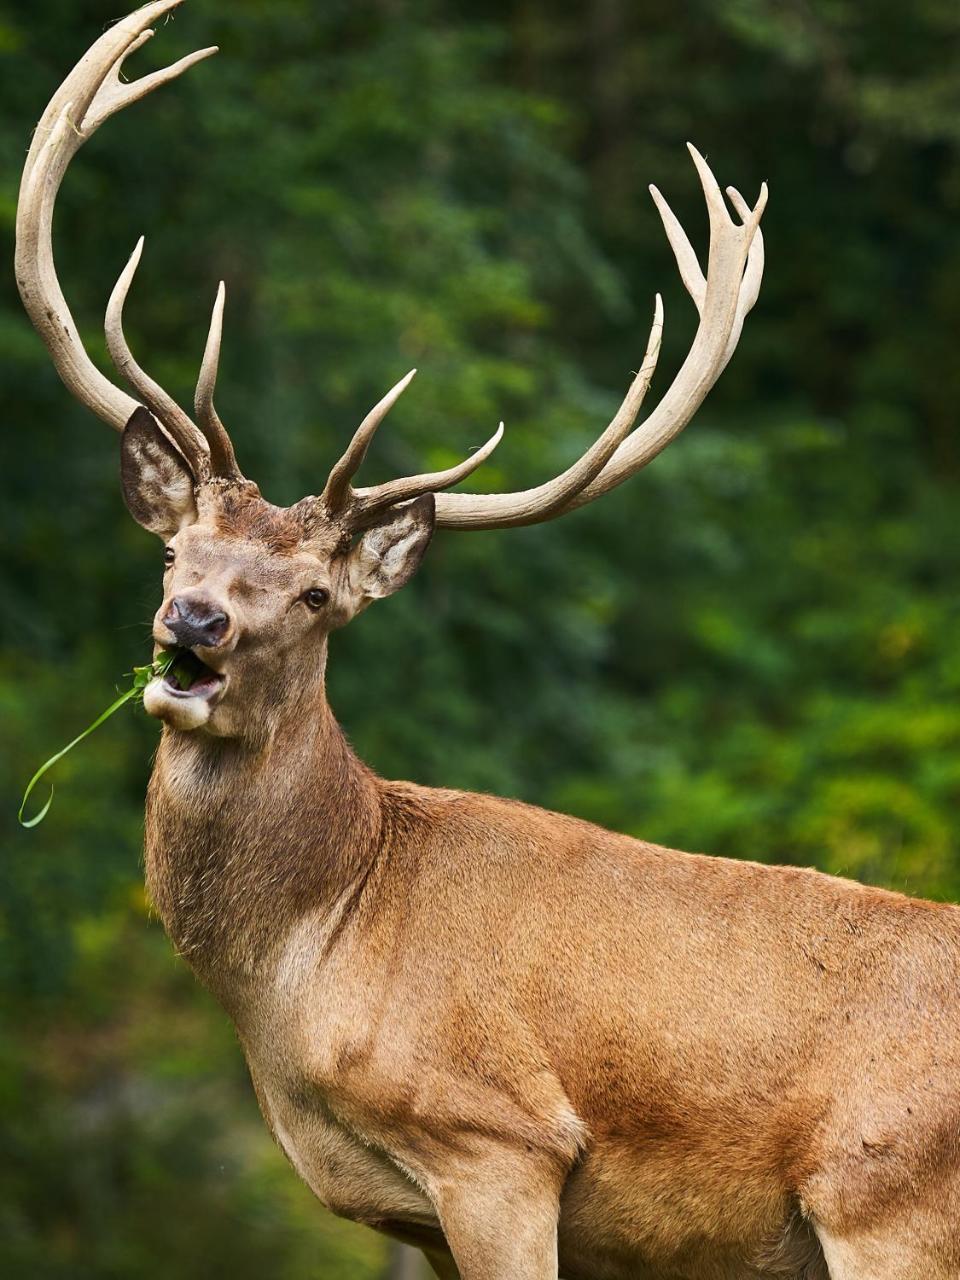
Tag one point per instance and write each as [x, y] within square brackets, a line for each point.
[750, 649]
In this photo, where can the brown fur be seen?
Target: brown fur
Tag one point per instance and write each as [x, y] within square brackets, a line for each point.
[519, 1040]
[240, 512]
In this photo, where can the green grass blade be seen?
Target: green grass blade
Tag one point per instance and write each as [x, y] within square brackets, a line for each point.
[141, 678]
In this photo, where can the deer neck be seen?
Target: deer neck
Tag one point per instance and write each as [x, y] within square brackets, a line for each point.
[243, 842]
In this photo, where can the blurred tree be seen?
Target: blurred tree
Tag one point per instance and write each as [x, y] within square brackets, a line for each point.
[406, 1264]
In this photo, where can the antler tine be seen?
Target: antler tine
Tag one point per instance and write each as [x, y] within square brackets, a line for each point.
[755, 258]
[90, 94]
[377, 497]
[713, 196]
[222, 458]
[117, 94]
[336, 492]
[722, 299]
[190, 440]
[687, 262]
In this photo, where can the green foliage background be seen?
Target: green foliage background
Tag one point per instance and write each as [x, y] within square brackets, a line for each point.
[751, 649]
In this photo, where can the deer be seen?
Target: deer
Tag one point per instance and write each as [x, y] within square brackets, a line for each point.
[523, 1044]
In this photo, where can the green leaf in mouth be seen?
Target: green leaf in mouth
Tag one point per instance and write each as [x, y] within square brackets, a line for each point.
[184, 669]
[141, 678]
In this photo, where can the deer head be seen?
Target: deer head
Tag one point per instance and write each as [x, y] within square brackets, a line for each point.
[251, 591]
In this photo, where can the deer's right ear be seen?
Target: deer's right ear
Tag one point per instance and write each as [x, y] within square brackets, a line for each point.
[158, 486]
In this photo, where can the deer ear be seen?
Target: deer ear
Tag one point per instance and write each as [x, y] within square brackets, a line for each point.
[388, 555]
[158, 486]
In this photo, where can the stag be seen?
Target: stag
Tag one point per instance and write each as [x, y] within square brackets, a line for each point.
[526, 1045]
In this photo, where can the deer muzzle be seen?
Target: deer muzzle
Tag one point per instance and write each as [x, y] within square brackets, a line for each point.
[195, 622]
[202, 633]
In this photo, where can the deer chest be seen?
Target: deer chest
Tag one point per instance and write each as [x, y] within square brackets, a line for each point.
[350, 1177]
[312, 1048]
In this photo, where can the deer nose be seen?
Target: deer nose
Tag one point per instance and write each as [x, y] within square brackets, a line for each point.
[194, 622]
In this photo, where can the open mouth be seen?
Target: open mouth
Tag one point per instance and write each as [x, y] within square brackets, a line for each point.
[188, 677]
[185, 696]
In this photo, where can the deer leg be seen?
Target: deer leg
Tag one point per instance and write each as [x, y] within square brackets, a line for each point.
[900, 1231]
[500, 1219]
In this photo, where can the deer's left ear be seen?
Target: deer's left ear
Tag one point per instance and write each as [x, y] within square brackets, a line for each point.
[387, 555]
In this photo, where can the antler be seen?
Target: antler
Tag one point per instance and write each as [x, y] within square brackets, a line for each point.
[359, 505]
[161, 405]
[91, 93]
[722, 299]
[221, 449]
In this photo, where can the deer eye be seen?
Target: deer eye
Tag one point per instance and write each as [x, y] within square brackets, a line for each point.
[316, 597]
[169, 555]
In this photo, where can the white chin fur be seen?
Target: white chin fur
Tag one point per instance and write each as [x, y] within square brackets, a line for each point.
[178, 713]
